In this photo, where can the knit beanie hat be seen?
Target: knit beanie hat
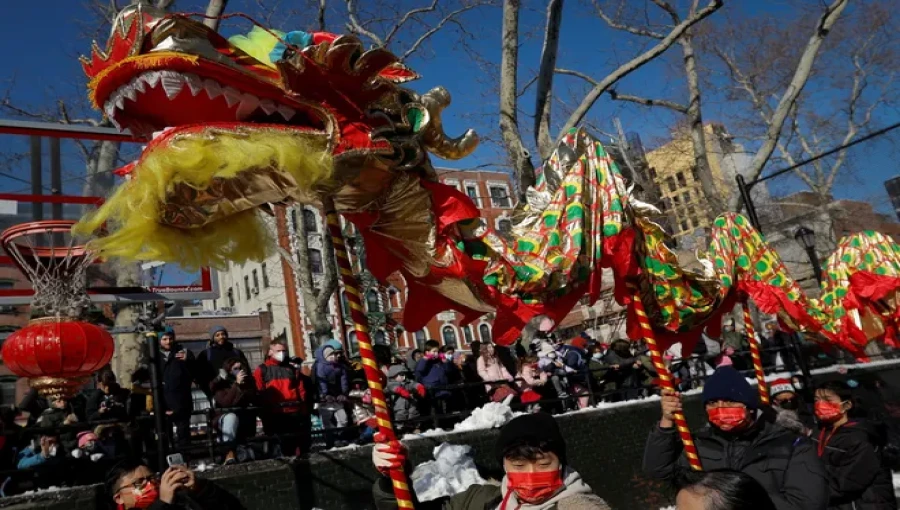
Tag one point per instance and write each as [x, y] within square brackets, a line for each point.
[86, 437]
[539, 430]
[396, 370]
[215, 329]
[726, 383]
[579, 342]
[781, 386]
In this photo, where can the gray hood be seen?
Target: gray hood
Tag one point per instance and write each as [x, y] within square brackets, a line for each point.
[574, 489]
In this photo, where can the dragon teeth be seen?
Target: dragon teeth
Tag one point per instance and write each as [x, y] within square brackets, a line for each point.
[267, 106]
[286, 112]
[212, 88]
[248, 105]
[195, 83]
[172, 85]
[232, 96]
[151, 78]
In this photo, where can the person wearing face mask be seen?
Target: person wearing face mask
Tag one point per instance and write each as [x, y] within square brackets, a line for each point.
[738, 438]
[852, 451]
[133, 486]
[791, 412]
[277, 385]
[333, 381]
[44, 451]
[537, 475]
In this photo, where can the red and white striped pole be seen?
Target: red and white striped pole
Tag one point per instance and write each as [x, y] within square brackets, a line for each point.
[753, 340]
[399, 481]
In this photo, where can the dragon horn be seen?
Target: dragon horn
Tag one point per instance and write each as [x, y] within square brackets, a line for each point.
[435, 140]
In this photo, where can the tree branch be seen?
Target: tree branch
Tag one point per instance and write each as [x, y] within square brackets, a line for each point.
[214, 10]
[631, 66]
[355, 27]
[424, 37]
[645, 32]
[678, 107]
[321, 16]
[542, 109]
[406, 17]
[798, 81]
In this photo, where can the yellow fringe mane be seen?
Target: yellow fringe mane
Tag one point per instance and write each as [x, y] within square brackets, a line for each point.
[132, 213]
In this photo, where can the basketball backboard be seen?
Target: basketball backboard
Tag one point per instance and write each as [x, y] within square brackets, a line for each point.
[24, 167]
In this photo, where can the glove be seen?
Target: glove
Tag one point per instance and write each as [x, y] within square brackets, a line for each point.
[96, 456]
[403, 393]
[388, 455]
[77, 454]
[420, 389]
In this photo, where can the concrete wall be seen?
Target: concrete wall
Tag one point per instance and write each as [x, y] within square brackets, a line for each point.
[605, 445]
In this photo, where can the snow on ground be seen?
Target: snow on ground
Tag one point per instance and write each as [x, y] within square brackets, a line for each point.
[490, 415]
[453, 471]
[897, 485]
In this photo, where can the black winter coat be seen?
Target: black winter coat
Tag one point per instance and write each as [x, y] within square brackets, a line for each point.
[856, 475]
[212, 358]
[177, 376]
[782, 462]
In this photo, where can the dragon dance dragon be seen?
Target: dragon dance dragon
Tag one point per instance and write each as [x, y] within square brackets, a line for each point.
[238, 125]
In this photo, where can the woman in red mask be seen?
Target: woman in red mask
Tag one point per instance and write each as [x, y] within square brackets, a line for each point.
[533, 455]
[851, 450]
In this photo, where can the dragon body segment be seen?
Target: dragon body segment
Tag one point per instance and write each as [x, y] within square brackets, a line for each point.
[236, 125]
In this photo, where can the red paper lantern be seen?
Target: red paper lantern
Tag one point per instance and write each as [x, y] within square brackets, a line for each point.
[58, 354]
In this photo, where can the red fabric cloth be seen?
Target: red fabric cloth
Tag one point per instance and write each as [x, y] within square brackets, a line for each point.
[279, 387]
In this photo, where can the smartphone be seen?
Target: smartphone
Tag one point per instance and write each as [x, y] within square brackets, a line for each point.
[175, 459]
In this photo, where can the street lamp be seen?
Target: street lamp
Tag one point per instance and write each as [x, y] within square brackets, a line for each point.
[807, 239]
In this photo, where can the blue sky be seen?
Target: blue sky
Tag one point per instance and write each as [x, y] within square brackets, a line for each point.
[42, 44]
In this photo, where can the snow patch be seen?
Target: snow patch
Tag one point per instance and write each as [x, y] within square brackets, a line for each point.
[452, 472]
[490, 415]
[896, 484]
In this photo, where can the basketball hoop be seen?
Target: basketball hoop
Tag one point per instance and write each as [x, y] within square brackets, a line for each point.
[47, 253]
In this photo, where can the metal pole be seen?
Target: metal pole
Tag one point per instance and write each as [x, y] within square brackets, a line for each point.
[55, 178]
[159, 412]
[814, 262]
[745, 197]
[37, 184]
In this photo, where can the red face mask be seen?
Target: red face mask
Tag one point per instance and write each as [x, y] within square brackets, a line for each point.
[828, 412]
[147, 496]
[728, 419]
[534, 488]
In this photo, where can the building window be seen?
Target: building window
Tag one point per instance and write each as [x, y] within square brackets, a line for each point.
[372, 301]
[485, 331]
[691, 211]
[265, 273]
[694, 174]
[294, 219]
[667, 204]
[345, 305]
[230, 297]
[394, 297]
[449, 335]
[354, 344]
[398, 334]
[380, 338]
[309, 221]
[684, 225]
[499, 197]
[255, 280]
[504, 226]
[420, 339]
[652, 173]
[472, 191]
[676, 200]
[686, 196]
[681, 180]
[467, 335]
[315, 261]
[247, 287]
[670, 182]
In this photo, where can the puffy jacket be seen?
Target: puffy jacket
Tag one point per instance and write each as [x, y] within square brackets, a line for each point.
[403, 397]
[492, 370]
[532, 378]
[177, 377]
[277, 383]
[434, 373]
[332, 378]
[782, 462]
[856, 475]
[576, 495]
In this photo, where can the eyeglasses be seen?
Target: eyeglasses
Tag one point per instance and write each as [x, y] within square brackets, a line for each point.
[139, 483]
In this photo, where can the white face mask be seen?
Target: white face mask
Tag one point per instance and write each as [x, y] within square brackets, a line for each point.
[278, 356]
[53, 450]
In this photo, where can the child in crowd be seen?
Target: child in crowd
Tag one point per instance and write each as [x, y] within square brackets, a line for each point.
[405, 397]
[531, 379]
[549, 362]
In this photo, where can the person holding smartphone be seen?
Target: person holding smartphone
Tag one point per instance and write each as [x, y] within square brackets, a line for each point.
[178, 373]
[132, 485]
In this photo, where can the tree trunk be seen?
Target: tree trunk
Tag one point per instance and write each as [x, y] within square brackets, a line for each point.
[542, 109]
[214, 9]
[786, 104]
[698, 138]
[519, 156]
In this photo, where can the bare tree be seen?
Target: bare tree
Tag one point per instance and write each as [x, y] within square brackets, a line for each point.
[510, 128]
[692, 110]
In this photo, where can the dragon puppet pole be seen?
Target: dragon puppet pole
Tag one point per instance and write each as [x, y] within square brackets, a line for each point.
[665, 379]
[361, 327]
[753, 340]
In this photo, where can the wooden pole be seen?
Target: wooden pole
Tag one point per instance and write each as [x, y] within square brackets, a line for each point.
[665, 380]
[370, 366]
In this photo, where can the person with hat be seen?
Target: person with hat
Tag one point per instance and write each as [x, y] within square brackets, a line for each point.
[791, 413]
[734, 345]
[405, 395]
[737, 437]
[333, 381]
[178, 368]
[211, 359]
[531, 450]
